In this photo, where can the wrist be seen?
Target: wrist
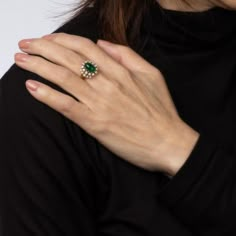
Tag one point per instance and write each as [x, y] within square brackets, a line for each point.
[183, 148]
[178, 148]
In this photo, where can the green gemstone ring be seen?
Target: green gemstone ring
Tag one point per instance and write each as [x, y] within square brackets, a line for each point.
[88, 69]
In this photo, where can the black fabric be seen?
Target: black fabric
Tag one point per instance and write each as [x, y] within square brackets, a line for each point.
[55, 179]
[198, 60]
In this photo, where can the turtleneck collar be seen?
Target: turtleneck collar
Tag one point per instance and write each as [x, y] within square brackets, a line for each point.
[188, 30]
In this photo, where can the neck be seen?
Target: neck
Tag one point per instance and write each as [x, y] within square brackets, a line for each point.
[187, 5]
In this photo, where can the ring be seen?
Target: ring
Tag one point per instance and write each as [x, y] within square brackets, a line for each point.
[88, 70]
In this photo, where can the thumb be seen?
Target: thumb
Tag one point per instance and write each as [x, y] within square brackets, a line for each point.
[125, 56]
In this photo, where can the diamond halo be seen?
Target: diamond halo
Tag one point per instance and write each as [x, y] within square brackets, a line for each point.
[88, 69]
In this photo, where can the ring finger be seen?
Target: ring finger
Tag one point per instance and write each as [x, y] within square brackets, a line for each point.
[59, 55]
[63, 77]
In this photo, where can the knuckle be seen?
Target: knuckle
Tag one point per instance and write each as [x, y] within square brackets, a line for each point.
[117, 85]
[98, 127]
[124, 49]
[112, 86]
[125, 74]
[158, 76]
[87, 44]
[104, 108]
[64, 76]
[57, 36]
[87, 41]
[37, 64]
[70, 59]
[122, 76]
[38, 44]
[34, 44]
[67, 105]
[34, 62]
[60, 34]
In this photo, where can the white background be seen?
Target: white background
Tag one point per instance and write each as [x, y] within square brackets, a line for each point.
[21, 19]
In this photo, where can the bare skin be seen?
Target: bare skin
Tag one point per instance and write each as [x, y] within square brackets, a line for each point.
[128, 108]
[199, 5]
[189, 5]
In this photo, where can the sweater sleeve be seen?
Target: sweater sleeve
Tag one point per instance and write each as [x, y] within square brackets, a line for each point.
[47, 181]
[203, 193]
[57, 180]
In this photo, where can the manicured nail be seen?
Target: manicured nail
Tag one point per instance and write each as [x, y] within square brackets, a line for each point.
[32, 85]
[25, 43]
[21, 57]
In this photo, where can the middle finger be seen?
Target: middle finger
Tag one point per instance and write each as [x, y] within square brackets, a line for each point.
[54, 53]
[63, 77]
[60, 55]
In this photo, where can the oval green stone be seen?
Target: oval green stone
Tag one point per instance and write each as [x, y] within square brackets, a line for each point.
[90, 67]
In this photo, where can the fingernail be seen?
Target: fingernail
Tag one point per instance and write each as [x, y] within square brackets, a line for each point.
[25, 43]
[21, 57]
[32, 85]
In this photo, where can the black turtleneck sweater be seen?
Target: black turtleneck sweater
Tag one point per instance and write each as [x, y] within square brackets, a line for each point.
[55, 179]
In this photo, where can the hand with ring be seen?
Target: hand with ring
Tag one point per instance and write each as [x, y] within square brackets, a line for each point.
[117, 97]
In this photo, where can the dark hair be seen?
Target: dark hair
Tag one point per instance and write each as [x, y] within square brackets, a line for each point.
[116, 16]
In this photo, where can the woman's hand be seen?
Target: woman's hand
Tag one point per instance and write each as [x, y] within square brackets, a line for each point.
[127, 107]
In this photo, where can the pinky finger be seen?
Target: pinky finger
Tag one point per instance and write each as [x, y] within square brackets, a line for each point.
[76, 111]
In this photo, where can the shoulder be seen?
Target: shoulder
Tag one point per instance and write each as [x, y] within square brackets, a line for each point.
[85, 25]
[23, 118]
[16, 100]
